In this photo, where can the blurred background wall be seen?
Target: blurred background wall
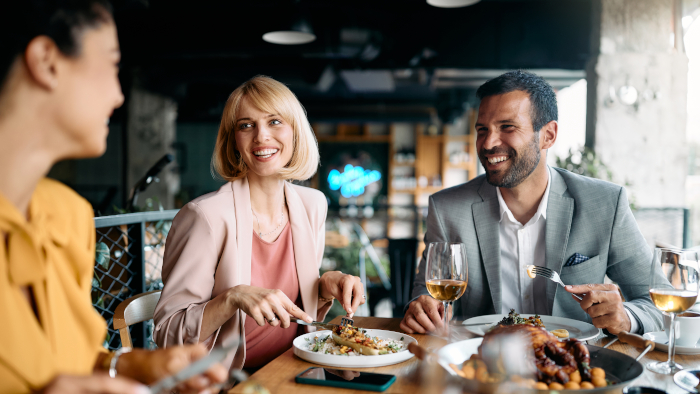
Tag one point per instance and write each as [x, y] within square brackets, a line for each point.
[389, 86]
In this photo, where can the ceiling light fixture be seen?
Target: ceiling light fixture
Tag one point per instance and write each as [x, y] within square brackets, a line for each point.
[451, 3]
[299, 33]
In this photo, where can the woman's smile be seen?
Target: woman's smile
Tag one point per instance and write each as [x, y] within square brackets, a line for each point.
[264, 154]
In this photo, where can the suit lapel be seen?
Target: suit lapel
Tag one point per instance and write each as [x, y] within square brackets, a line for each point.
[304, 243]
[560, 212]
[486, 220]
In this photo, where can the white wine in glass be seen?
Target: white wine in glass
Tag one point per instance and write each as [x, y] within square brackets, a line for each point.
[446, 275]
[446, 289]
[673, 301]
[673, 288]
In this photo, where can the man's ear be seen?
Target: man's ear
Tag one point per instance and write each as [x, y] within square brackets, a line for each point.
[549, 134]
[41, 57]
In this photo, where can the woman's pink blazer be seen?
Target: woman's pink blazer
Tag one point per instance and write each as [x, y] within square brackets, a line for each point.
[208, 251]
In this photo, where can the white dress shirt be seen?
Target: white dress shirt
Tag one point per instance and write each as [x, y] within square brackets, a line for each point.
[523, 245]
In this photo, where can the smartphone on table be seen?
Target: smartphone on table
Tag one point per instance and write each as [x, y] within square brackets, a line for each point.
[346, 379]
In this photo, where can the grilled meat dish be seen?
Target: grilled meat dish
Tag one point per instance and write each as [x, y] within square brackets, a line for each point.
[554, 359]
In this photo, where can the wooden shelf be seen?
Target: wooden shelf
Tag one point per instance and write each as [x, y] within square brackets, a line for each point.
[461, 166]
[403, 164]
[353, 138]
[429, 189]
[417, 190]
[446, 138]
[465, 138]
[432, 159]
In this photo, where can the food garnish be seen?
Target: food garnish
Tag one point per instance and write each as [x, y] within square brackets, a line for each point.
[514, 318]
[356, 338]
[531, 271]
[560, 333]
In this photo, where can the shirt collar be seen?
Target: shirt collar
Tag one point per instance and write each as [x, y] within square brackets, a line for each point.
[541, 209]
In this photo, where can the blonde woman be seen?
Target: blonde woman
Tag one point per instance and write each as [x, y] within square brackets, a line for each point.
[245, 259]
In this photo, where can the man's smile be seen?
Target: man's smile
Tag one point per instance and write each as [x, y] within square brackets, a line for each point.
[496, 159]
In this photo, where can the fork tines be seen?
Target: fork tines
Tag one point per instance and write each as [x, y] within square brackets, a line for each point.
[543, 271]
[346, 321]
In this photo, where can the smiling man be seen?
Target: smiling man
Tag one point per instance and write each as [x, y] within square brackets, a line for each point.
[522, 212]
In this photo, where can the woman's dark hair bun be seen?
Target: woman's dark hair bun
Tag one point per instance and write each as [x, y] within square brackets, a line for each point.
[61, 20]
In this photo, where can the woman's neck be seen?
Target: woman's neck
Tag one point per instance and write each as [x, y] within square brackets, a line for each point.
[266, 195]
[24, 161]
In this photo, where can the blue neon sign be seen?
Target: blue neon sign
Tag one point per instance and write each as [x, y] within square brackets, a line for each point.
[353, 180]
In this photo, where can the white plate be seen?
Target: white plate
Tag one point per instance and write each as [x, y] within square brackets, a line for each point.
[457, 353]
[661, 341]
[577, 329]
[332, 360]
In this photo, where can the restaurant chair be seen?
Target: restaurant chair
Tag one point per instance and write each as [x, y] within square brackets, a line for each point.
[402, 259]
[136, 309]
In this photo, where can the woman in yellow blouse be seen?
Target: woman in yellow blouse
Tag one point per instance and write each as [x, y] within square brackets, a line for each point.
[58, 87]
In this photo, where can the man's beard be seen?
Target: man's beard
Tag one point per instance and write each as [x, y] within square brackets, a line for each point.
[523, 164]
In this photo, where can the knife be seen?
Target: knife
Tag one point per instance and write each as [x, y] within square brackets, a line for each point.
[198, 367]
[474, 324]
[326, 326]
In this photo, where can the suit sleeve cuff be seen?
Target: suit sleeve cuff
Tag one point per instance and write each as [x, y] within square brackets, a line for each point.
[634, 324]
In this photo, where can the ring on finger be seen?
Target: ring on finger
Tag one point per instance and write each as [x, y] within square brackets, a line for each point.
[271, 320]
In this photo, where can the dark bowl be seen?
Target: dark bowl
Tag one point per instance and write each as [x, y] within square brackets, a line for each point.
[642, 390]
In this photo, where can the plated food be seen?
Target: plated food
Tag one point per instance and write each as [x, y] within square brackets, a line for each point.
[353, 341]
[320, 348]
[580, 330]
[556, 364]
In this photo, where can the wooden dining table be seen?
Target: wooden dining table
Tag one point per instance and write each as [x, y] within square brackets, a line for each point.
[416, 376]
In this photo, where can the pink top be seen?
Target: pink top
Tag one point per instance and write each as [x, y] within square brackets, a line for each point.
[272, 266]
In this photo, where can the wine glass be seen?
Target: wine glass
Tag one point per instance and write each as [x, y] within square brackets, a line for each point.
[446, 275]
[674, 289]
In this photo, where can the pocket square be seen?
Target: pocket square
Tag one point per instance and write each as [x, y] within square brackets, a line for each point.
[576, 258]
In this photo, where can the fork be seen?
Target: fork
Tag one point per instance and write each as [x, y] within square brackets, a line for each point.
[347, 320]
[551, 275]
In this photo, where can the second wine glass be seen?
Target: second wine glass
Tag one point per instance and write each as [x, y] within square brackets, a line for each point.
[446, 274]
[673, 289]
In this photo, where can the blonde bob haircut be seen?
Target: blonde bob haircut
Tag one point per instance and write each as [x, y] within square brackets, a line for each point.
[273, 97]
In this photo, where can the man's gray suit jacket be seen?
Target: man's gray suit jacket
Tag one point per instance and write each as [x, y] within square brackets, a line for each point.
[584, 215]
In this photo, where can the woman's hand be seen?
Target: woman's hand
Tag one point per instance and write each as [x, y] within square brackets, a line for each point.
[268, 305]
[98, 383]
[151, 366]
[346, 288]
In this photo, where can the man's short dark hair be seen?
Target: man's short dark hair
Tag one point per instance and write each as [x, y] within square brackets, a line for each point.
[542, 97]
[61, 20]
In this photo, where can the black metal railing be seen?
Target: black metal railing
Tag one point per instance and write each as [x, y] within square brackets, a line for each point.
[128, 261]
[130, 257]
